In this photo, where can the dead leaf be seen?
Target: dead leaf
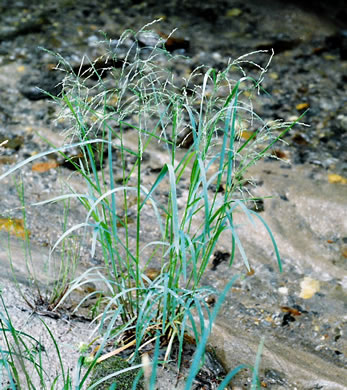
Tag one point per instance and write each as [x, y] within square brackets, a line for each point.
[279, 154]
[250, 272]
[44, 166]
[246, 135]
[189, 339]
[116, 351]
[291, 310]
[302, 106]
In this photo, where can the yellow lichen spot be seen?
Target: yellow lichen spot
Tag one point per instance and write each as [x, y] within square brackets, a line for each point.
[20, 68]
[309, 287]
[14, 226]
[334, 178]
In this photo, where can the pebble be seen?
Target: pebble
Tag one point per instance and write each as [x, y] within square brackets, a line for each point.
[283, 290]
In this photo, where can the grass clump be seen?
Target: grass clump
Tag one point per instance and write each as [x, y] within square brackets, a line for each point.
[116, 113]
[21, 357]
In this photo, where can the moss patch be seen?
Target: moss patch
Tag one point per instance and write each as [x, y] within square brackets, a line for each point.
[110, 366]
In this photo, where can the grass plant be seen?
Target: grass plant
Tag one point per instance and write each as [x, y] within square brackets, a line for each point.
[21, 357]
[136, 92]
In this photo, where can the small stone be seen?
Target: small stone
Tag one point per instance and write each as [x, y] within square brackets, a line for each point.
[309, 287]
[216, 56]
[342, 120]
[149, 38]
[40, 86]
[283, 290]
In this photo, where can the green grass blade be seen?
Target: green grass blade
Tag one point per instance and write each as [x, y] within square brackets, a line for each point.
[231, 375]
[160, 177]
[174, 214]
[255, 375]
[202, 343]
[154, 364]
[61, 365]
[238, 242]
[279, 262]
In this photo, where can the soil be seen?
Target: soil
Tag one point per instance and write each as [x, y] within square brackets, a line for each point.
[301, 311]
